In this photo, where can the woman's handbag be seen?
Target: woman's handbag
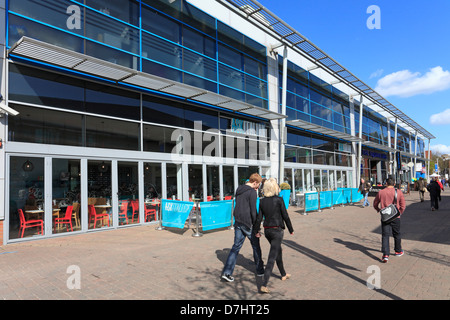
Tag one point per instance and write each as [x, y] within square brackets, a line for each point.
[390, 212]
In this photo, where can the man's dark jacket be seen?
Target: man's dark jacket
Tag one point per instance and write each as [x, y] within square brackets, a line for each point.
[245, 206]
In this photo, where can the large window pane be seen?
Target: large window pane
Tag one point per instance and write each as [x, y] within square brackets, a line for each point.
[26, 197]
[45, 126]
[128, 193]
[212, 183]
[66, 188]
[174, 181]
[195, 181]
[112, 134]
[99, 192]
[298, 180]
[228, 182]
[152, 190]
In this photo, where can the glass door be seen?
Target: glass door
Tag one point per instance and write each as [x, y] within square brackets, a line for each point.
[66, 195]
[26, 197]
[128, 193]
[99, 194]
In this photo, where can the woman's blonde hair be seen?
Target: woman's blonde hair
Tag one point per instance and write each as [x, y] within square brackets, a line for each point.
[271, 188]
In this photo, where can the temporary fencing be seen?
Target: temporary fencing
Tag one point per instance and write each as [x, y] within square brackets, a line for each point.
[316, 201]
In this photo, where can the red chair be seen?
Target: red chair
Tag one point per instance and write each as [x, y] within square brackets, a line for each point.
[67, 220]
[209, 198]
[93, 215]
[135, 208]
[29, 224]
[123, 211]
[150, 212]
[228, 198]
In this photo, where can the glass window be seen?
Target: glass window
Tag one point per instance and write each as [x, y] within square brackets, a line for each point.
[99, 194]
[325, 186]
[199, 42]
[244, 174]
[52, 12]
[160, 24]
[66, 188]
[45, 126]
[127, 11]
[228, 182]
[111, 32]
[45, 88]
[111, 101]
[161, 51]
[158, 139]
[317, 181]
[298, 181]
[199, 65]
[128, 193]
[112, 134]
[212, 183]
[195, 182]
[152, 190]
[26, 197]
[174, 181]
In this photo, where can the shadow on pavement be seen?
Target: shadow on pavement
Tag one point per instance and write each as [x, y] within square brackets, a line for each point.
[333, 264]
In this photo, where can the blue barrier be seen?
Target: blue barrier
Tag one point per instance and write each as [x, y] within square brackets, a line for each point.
[338, 197]
[326, 200]
[174, 213]
[356, 195]
[311, 201]
[347, 194]
[216, 214]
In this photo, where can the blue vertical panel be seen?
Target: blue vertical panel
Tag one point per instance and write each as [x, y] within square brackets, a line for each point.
[174, 213]
[311, 201]
[325, 199]
[347, 193]
[216, 214]
[356, 195]
[338, 197]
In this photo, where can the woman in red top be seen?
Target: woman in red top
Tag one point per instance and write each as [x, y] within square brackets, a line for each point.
[383, 199]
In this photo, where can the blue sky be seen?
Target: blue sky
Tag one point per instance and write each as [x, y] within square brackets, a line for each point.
[407, 60]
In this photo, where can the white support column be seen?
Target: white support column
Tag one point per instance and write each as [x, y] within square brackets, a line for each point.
[283, 111]
[361, 110]
[395, 147]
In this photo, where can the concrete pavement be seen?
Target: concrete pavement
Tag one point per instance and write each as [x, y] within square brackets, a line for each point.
[332, 255]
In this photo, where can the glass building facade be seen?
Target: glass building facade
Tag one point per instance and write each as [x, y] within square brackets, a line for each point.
[86, 153]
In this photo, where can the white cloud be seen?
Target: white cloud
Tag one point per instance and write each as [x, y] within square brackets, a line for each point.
[441, 118]
[407, 84]
[440, 149]
[376, 74]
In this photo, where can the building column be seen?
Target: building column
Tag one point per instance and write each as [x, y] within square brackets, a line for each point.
[274, 136]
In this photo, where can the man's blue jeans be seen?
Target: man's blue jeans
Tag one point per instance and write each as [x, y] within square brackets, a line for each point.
[366, 200]
[240, 233]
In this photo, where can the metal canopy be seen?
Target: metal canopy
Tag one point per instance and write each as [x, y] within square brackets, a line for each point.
[54, 55]
[269, 22]
[317, 128]
[378, 146]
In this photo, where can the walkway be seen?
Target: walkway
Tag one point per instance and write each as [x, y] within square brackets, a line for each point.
[331, 255]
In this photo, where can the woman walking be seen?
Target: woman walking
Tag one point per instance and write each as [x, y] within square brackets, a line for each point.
[273, 210]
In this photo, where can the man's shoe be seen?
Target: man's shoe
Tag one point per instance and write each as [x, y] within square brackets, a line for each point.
[385, 258]
[399, 254]
[227, 277]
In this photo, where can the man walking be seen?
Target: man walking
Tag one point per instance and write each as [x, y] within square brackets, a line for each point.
[364, 188]
[245, 212]
[422, 188]
[435, 193]
[384, 198]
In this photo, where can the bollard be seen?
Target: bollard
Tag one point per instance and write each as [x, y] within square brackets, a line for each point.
[197, 218]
